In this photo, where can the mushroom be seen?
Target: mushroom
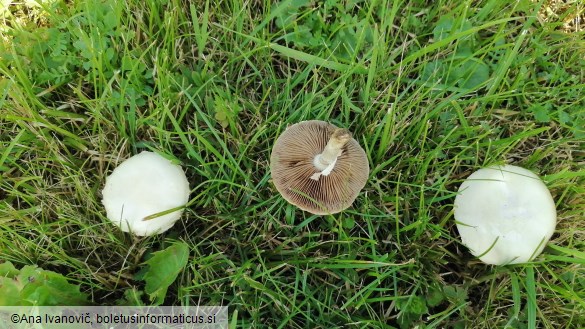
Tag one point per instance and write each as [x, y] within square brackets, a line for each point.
[142, 187]
[318, 167]
[504, 214]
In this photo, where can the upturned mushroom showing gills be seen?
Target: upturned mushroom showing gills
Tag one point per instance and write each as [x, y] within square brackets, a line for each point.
[141, 188]
[318, 167]
[504, 214]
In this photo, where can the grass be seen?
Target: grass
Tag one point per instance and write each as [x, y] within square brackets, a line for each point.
[431, 90]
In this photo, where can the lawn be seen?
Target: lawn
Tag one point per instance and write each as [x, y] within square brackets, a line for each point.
[432, 90]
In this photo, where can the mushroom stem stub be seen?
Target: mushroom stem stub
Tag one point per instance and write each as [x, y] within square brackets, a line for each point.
[326, 160]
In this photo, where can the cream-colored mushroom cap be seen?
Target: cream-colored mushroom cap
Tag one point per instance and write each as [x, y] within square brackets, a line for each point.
[318, 167]
[505, 214]
[141, 186]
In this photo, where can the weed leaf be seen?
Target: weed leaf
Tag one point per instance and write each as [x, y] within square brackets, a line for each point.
[35, 286]
[164, 267]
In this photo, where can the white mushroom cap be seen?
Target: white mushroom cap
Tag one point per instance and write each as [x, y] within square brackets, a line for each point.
[318, 167]
[505, 214]
[141, 186]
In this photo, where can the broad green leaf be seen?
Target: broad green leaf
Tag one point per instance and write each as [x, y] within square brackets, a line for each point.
[349, 223]
[443, 28]
[472, 73]
[8, 270]
[111, 21]
[418, 305]
[56, 291]
[9, 292]
[35, 286]
[455, 293]
[286, 12]
[164, 267]
[564, 117]
[540, 113]
[434, 297]
[48, 288]
[434, 70]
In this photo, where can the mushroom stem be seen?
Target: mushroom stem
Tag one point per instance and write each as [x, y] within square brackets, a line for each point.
[332, 150]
